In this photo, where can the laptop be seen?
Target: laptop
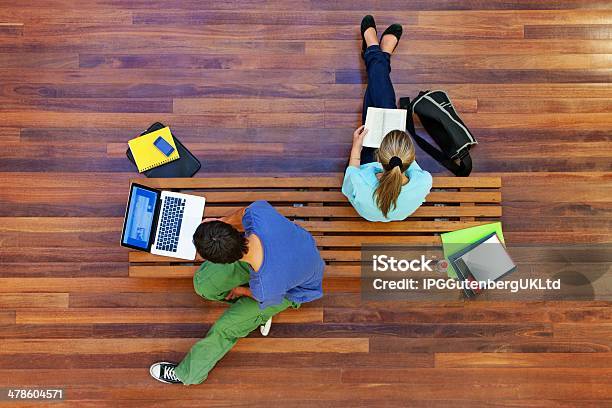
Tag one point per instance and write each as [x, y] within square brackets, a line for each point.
[161, 222]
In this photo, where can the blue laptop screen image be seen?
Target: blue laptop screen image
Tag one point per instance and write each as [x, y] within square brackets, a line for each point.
[140, 217]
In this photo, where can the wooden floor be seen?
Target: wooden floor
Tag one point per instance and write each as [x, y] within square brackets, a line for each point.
[255, 87]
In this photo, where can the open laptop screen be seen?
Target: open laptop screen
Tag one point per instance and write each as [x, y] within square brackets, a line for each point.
[139, 217]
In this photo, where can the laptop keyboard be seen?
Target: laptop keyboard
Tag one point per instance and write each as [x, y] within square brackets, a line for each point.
[170, 226]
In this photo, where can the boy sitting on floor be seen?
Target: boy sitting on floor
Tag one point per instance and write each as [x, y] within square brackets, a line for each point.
[278, 260]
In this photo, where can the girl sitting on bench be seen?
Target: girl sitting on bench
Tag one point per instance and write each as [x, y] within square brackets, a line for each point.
[384, 184]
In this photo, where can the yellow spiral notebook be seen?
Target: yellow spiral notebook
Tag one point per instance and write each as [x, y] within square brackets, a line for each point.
[146, 155]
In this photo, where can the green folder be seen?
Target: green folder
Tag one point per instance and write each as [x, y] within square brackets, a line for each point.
[455, 241]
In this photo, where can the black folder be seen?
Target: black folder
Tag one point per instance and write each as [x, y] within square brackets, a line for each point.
[185, 166]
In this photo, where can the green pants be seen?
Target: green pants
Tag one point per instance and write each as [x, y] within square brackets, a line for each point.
[214, 281]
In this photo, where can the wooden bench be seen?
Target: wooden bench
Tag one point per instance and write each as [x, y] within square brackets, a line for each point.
[318, 205]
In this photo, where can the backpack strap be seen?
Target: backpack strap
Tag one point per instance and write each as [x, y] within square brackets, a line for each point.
[463, 169]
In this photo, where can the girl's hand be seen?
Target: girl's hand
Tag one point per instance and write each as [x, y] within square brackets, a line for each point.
[358, 136]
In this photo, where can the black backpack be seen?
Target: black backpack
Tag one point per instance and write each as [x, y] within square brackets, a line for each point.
[439, 118]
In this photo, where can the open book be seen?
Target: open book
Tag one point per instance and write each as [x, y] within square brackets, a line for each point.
[380, 121]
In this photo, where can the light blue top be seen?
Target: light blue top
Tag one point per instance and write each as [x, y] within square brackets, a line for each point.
[359, 185]
[292, 267]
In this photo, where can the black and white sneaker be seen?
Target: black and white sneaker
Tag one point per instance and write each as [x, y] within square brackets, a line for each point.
[164, 372]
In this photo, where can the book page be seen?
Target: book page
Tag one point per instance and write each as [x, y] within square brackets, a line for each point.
[374, 124]
[394, 119]
[380, 121]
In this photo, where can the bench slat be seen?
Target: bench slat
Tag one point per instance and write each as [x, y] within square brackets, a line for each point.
[187, 271]
[298, 182]
[387, 227]
[359, 240]
[349, 211]
[338, 197]
[328, 255]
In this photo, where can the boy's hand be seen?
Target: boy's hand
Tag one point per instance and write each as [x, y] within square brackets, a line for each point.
[237, 292]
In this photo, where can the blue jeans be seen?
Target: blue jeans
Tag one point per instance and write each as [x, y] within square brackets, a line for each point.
[380, 92]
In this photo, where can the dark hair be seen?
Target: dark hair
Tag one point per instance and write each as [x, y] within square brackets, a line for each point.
[219, 242]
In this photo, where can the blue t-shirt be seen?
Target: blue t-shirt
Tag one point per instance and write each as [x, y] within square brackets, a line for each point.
[360, 183]
[292, 267]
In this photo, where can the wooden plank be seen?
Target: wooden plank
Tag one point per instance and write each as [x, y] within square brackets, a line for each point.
[326, 254]
[235, 360]
[272, 17]
[39, 60]
[476, 47]
[583, 331]
[29, 300]
[499, 62]
[565, 14]
[467, 205]
[299, 182]
[8, 30]
[349, 212]
[251, 105]
[402, 226]
[509, 105]
[578, 31]
[38, 14]
[134, 300]
[475, 376]
[488, 345]
[7, 317]
[85, 377]
[419, 394]
[481, 76]
[78, 78]
[577, 121]
[413, 312]
[523, 360]
[132, 284]
[130, 346]
[85, 105]
[506, 89]
[154, 315]
[187, 271]
[336, 196]
[15, 255]
[357, 241]
[11, 136]
[60, 224]
[93, 285]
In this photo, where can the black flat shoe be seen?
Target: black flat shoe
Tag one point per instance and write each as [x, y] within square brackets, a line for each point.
[366, 22]
[395, 30]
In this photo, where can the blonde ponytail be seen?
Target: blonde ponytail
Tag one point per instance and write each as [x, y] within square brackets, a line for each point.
[398, 145]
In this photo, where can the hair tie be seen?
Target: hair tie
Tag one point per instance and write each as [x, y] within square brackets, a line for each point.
[394, 162]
